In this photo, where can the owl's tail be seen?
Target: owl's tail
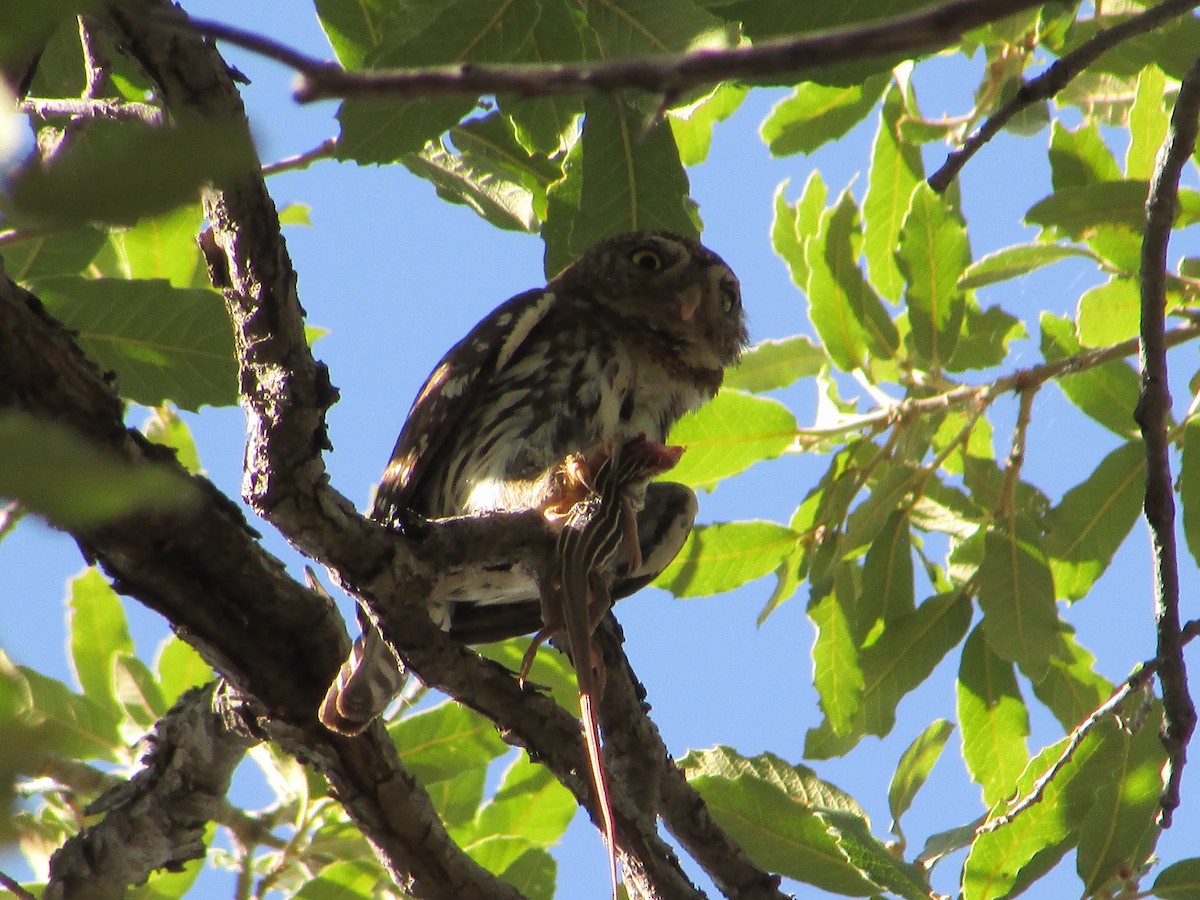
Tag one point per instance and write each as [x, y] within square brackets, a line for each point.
[367, 682]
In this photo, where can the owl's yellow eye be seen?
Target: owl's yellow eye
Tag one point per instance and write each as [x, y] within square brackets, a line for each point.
[729, 299]
[645, 258]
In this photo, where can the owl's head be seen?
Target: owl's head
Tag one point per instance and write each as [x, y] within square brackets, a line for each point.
[668, 287]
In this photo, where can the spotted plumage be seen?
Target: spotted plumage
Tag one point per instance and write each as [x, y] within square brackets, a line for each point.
[622, 342]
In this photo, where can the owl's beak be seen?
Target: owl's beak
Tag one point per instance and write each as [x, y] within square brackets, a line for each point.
[689, 301]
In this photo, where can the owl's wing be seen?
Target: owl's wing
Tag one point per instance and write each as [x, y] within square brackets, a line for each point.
[454, 386]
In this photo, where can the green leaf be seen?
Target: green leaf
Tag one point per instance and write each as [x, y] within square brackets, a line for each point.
[164, 343]
[1080, 158]
[341, 880]
[933, 255]
[162, 247]
[34, 254]
[1189, 486]
[914, 767]
[498, 201]
[1113, 836]
[1179, 881]
[440, 743]
[848, 316]
[895, 171]
[647, 27]
[719, 558]
[899, 660]
[355, 27]
[773, 364]
[1016, 594]
[430, 34]
[771, 809]
[874, 859]
[728, 435]
[27, 27]
[1107, 393]
[632, 177]
[59, 474]
[1093, 519]
[1032, 843]
[73, 725]
[1072, 689]
[529, 805]
[887, 577]
[547, 126]
[179, 668]
[1109, 313]
[1148, 122]
[117, 172]
[1168, 46]
[837, 668]
[98, 634]
[164, 426]
[816, 114]
[140, 699]
[994, 719]
[1077, 211]
[693, 124]
[792, 227]
[1015, 261]
[985, 337]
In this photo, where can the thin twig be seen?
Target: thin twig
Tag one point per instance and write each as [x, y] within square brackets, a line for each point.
[107, 108]
[95, 61]
[963, 395]
[323, 150]
[1152, 412]
[14, 887]
[918, 32]
[1053, 80]
[1137, 680]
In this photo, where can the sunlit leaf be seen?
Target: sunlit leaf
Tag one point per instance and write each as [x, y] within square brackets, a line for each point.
[1147, 123]
[1107, 393]
[816, 114]
[837, 668]
[914, 767]
[993, 717]
[1015, 261]
[774, 364]
[1109, 313]
[98, 634]
[719, 558]
[729, 434]
[771, 809]
[1016, 594]
[1093, 520]
[896, 169]
[933, 255]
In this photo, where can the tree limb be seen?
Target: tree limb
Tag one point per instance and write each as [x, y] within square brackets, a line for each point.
[156, 819]
[924, 30]
[1152, 414]
[1056, 77]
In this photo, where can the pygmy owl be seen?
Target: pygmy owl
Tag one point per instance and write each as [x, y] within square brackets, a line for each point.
[622, 342]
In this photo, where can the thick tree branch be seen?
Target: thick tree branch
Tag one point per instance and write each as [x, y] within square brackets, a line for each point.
[156, 820]
[1152, 415]
[924, 30]
[1056, 77]
[204, 571]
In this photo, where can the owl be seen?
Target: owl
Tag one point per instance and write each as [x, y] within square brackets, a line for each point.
[625, 340]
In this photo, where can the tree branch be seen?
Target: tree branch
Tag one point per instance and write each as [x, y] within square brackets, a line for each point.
[669, 74]
[156, 819]
[1152, 414]
[285, 394]
[1056, 77]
